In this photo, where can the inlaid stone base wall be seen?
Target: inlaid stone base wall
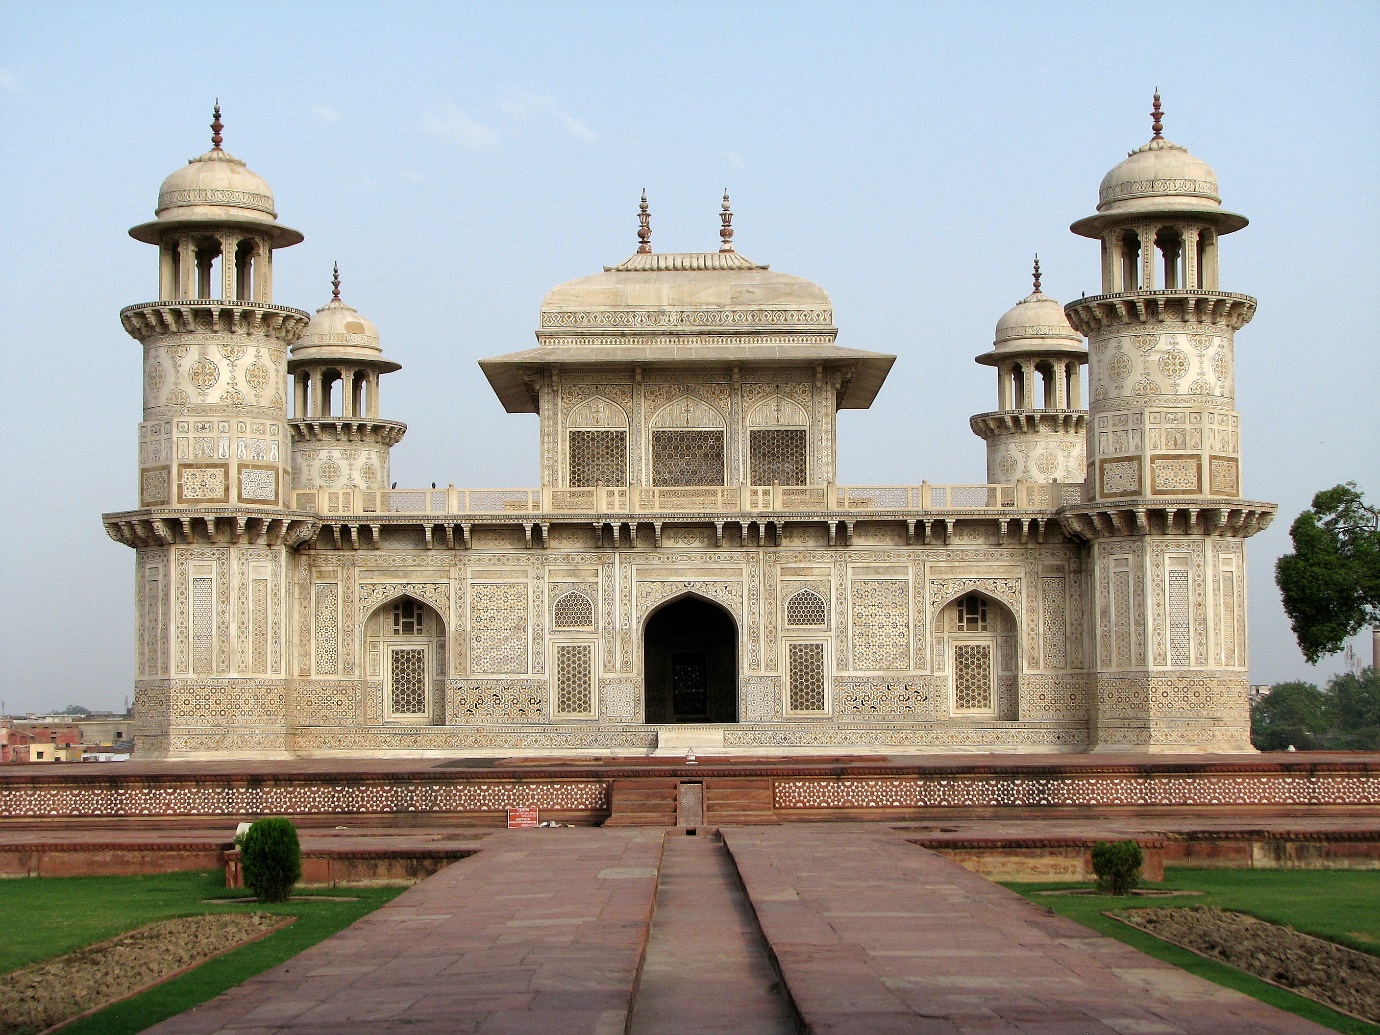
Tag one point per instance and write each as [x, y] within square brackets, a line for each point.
[1173, 713]
[184, 718]
[795, 790]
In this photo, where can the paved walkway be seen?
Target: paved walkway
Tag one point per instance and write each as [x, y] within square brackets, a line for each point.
[541, 932]
[707, 968]
[544, 930]
[875, 936]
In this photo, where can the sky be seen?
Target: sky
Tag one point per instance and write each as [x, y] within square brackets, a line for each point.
[460, 160]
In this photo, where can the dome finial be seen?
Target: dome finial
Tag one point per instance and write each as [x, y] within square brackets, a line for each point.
[1036, 274]
[726, 231]
[644, 226]
[335, 282]
[1157, 118]
[216, 127]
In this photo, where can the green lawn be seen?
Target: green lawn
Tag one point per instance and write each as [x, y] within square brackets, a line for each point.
[60, 914]
[1341, 906]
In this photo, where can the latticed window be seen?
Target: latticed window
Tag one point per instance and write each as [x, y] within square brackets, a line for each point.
[805, 676]
[972, 614]
[807, 608]
[575, 679]
[409, 618]
[973, 677]
[777, 456]
[598, 458]
[573, 610]
[690, 456]
[407, 686]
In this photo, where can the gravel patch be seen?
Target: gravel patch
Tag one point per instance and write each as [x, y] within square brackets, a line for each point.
[1323, 971]
[38, 997]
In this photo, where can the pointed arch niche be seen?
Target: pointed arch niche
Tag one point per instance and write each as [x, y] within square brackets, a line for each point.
[976, 637]
[597, 444]
[778, 443]
[405, 642]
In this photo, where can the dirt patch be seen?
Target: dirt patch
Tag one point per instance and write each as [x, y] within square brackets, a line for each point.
[46, 994]
[1320, 970]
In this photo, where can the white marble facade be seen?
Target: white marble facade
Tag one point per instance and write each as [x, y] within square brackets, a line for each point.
[688, 570]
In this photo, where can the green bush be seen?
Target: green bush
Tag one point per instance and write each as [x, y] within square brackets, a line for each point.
[1117, 866]
[271, 859]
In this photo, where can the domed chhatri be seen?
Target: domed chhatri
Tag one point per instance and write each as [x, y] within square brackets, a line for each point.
[1036, 433]
[218, 188]
[1159, 177]
[338, 439]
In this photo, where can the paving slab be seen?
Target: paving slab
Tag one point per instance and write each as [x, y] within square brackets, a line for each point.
[532, 934]
[875, 935]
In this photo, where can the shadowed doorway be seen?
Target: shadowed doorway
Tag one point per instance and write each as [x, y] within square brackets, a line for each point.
[690, 659]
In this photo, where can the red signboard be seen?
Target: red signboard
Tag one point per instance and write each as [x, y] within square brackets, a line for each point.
[526, 816]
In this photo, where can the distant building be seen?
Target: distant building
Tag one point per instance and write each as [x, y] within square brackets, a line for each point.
[1260, 691]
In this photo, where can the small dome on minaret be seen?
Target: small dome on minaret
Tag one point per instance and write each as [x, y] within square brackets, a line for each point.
[338, 331]
[215, 188]
[1035, 324]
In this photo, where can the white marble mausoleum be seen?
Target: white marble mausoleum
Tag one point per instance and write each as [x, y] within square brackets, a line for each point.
[687, 572]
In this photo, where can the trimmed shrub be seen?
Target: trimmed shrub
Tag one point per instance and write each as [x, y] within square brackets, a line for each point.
[271, 859]
[1117, 866]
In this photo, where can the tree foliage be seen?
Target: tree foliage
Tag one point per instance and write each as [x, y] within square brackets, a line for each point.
[1343, 716]
[1331, 582]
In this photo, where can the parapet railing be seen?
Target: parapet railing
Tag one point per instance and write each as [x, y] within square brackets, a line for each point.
[691, 499]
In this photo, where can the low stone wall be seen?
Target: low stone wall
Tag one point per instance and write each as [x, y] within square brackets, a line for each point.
[1038, 859]
[109, 859]
[330, 869]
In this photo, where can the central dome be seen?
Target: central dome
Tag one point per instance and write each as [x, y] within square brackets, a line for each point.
[653, 292]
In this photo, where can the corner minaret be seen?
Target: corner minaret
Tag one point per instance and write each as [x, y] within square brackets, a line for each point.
[1036, 432]
[214, 532]
[339, 442]
[1164, 511]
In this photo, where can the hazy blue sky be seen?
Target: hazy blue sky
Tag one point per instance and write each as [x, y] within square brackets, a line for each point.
[460, 160]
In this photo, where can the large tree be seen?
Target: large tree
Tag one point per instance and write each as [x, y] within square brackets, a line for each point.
[1331, 582]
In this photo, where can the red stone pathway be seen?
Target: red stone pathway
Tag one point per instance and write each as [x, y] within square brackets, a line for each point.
[540, 932]
[875, 936]
[543, 931]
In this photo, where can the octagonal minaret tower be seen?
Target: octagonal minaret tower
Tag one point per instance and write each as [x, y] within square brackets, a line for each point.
[339, 442]
[213, 532]
[1163, 508]
[215, 345]
[1036, 433]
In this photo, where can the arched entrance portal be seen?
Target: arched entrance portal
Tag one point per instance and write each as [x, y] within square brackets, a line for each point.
[690, 663]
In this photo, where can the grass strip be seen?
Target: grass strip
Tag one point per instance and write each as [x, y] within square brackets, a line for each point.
[85, 910]
[1337, 905]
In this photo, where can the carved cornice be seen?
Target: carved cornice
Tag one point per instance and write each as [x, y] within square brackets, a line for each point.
[764, 529]
[347, 429]
[709, 317]
[1190, 517]
[1000, 423]
[1129, 308]
[157, 319]
[209, 527]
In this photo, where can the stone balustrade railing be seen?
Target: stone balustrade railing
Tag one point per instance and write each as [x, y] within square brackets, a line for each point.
[691, 499]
